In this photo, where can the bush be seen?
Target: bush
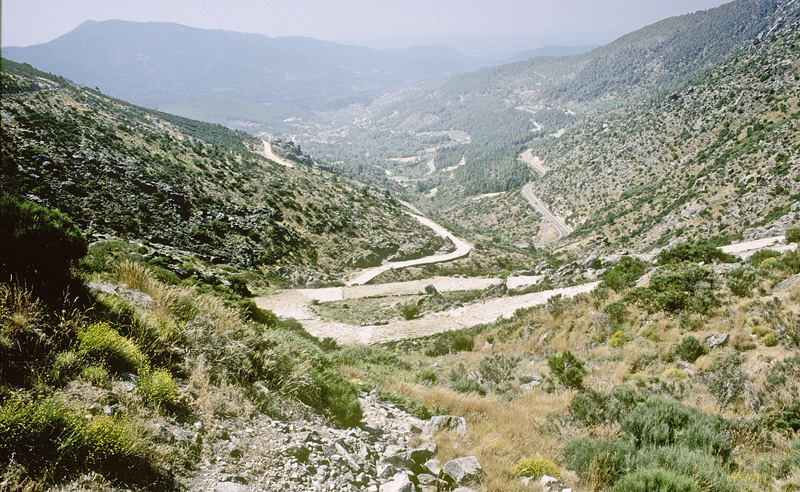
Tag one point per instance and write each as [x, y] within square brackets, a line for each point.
[660, 421]
[759, 257]
[467, 385]
[599, 463]
[40, 246]
[409, 310]
[49, 437]
[688, 349]
[592, 408]
[687, 288]
[655, 480]
[102, 344]
[339, 396]
[616, 311]
[624, 273]
[157, 387]
[741, 280]
[568, 369]
[498, 368]
[793, 235]
[537, 468]
[618, 339]
[726, 379]
[694, 252]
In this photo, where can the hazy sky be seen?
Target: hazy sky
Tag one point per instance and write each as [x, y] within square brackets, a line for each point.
[500, 26]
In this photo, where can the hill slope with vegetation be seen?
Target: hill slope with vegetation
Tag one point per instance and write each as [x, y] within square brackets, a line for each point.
[119, 169]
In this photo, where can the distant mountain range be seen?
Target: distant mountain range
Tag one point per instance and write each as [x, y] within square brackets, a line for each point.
[154, 64]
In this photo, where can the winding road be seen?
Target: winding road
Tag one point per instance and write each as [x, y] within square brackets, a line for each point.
[562, 229]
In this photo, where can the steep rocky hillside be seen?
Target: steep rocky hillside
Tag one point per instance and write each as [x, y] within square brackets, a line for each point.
[119, 169]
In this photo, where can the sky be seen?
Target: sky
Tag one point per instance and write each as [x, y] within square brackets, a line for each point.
[477, 27]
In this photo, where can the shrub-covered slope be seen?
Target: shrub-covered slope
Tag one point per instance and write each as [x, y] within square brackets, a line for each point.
[120, 169]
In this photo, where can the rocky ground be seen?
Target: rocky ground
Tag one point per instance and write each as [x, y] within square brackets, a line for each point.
[392, 451]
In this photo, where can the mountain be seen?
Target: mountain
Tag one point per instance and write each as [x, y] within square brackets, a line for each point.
[635, 114]
[551, 50]
[123, 170]
[154, 64]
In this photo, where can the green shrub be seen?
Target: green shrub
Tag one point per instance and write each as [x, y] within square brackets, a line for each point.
[96, 375]
[655, 480]
[409, 310]
[467, 385]
[688, 349]
[618, 339]
[592, 408]
[694, 252]
[624, 273]
[498, 368]
[102, 344]
[741, 280]
[339, 396]
[660, 421]
[537, 468]
[157, 387]
[568, 369]
[726, 379]
[40, 246]
[617, 311]
[50, 437]
[598, 462]
[762, 255]
[686, 288]
[707, 471]
[793, 235]
[65, 366]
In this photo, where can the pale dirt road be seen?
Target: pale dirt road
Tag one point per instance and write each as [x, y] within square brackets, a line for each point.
[462, 249]
[269, 154]
[746, 249]
[562, 229]
[296, 304]
[534, 161]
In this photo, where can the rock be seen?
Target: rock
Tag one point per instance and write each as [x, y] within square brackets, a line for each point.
[399, 483]
[462, 471]
[439, 423]
[231, 487]
[550, 484]
[464, 489]
[543, 337]
[396, 455]
[433, 466]
[716, 340]
[430, 290]
[423, 453]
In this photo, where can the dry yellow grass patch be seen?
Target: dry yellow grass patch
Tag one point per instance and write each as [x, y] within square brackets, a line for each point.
[500, 433]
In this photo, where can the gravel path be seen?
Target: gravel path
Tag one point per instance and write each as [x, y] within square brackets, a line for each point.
[296, 304]
[462, 249]
[273, 157]
[746, 249]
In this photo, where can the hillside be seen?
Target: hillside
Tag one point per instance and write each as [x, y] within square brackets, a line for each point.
[122, 170]
[622, 116]
[159, 64]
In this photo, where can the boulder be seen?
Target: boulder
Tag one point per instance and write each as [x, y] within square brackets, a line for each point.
[399, 483]
[462, 471]
[423, 453]
[550, 484]
[439, 423]
[716, 340]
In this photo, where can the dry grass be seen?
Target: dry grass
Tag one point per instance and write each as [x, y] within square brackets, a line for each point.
[501, 433]
[211, 399]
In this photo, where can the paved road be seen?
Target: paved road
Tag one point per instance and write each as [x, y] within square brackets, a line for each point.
[562, 228]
